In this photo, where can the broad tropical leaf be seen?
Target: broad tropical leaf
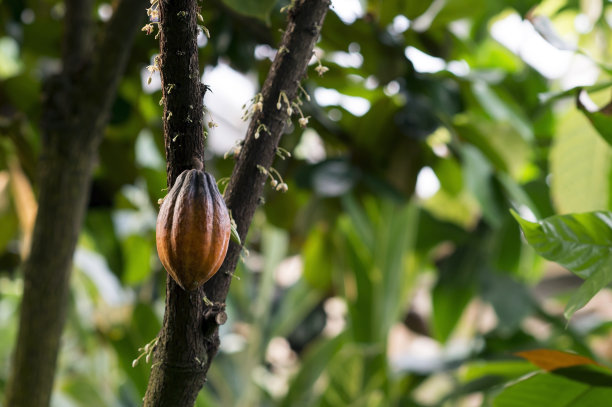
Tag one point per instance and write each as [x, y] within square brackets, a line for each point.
[580, 242]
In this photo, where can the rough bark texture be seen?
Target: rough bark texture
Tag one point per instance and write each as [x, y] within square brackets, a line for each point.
[178, 373]
[181, 88]
[77, 103]
[189, 337]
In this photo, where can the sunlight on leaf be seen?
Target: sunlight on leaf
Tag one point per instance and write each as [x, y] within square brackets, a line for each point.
[580, 242]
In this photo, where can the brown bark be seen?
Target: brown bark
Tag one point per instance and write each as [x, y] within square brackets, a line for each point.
[189, 337]
[77, 103]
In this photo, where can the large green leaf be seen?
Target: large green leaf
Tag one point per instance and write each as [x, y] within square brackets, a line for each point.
[552, 390]
[580, 242]
[580, 162]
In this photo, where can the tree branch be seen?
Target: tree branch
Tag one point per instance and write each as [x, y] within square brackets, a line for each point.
[74, 115]
[189, 337]
[178, 373]
[77, 37]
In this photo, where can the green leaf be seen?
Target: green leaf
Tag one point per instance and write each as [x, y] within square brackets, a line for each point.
[294, 308]
[396, 240]
[453, 10]
[507, 151]
[83, 391]
[556, 95]
[510, 299]
[580, 242]
[508, 369]
[453, 290]
[382, 269]
[351, 379]
[359, 292]
[478, 177]
[580, 163]
[391, 8]
[255, 8]
[592, 285]
[552, 390]
[461, 210]
[432, 231]
[100, 228]
[449, 173]
[315, 362]
[502, 108]
[359, 221]
[274, 249]
[317, 254]
[137, 252]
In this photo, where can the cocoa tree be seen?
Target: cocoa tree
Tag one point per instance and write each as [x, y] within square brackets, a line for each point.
[189, 339]
[76, 108]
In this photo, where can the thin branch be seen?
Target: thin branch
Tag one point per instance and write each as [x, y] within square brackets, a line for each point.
[189, 337]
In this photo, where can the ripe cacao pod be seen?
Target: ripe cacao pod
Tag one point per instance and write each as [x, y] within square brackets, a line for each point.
[193, 229]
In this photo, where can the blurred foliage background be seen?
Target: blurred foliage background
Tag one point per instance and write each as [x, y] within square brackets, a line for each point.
[392, 271]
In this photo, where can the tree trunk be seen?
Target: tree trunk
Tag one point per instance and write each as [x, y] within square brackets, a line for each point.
[189, 337]
[74, 116]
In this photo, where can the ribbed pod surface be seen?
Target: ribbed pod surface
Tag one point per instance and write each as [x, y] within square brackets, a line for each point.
[193, 229]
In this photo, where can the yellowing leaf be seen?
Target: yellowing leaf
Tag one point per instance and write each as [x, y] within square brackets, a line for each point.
[25, 205]
[580, 164]
[549, 359]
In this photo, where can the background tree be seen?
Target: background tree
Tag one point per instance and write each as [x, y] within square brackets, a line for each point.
[74, 115]
[391, 271]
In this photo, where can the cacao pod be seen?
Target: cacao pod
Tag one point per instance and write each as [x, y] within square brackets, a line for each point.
[193, 229]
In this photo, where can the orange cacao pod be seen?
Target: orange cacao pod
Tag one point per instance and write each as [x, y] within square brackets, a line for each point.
[193, 229]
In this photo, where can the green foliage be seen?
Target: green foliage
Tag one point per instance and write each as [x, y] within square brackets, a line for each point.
[580, 164]
[552, 390]
[579, 242]
[255, 8]
[366, 283]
